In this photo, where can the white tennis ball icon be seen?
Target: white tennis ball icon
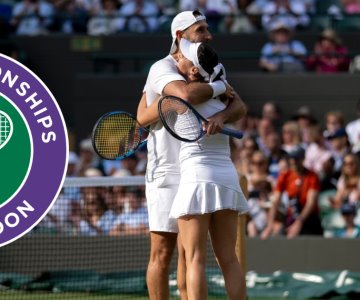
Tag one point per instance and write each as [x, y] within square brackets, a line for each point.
[6, 129]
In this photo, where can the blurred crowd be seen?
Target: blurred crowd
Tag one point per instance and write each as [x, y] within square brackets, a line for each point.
[283, 54]
[302, 164]
[102, 17]
[290, 165]
[99, 210]
[280, 19]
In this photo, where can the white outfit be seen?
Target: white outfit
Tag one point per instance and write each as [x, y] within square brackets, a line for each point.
[209, 181]
[163, 170]
[353, 132]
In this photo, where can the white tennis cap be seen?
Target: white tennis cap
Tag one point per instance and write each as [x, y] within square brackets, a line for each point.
[183, 21]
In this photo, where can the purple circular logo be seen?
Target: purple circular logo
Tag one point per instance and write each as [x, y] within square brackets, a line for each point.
[33, 150]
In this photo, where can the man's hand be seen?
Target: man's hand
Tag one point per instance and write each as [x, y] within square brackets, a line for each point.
[216, 123]
[229, 93]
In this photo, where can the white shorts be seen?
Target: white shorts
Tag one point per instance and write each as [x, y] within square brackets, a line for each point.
[160, 194]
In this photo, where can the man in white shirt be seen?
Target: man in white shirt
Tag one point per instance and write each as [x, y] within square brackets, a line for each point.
[163, 174]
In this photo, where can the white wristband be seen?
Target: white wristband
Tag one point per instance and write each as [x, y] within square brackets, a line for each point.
[218, 87]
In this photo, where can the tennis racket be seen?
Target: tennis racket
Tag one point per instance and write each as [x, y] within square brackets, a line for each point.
[117, 135]
[6, 129]
[183, 122]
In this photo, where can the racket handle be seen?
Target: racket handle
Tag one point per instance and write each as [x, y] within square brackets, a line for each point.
[233, 133]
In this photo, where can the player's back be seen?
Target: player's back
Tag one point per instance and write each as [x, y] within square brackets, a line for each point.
[163, 149]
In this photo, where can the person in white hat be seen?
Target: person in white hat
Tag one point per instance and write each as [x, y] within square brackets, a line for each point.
[163, 172]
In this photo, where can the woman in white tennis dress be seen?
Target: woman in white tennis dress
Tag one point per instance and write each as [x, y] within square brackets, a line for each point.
[209, 197]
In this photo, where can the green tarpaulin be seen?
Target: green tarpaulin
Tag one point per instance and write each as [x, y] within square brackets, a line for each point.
[279, 285]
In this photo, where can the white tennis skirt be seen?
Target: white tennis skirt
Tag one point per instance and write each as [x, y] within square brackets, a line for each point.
[206, 197]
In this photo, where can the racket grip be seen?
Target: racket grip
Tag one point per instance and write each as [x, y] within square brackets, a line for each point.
[233, 133]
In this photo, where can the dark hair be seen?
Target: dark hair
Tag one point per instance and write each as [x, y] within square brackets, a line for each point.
[208, 59]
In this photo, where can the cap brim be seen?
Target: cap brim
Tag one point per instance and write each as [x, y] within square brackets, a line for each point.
[173, 47]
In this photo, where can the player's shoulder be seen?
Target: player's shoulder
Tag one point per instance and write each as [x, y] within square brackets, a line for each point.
[165, 62]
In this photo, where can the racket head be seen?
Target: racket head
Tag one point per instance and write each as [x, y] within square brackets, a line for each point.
[6, 129]
[116, 135]
[180, 119]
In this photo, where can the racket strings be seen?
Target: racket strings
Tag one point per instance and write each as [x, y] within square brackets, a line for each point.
[181, 120]
[4, 128]
[116, 135]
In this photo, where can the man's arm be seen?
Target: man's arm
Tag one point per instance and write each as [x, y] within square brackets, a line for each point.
[235, 110]
[197, 92]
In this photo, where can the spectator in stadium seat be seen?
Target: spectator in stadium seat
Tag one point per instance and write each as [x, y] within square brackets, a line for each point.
[291, 13]
[96, 218]
[106, 21]
[270, 110]
[92, 7]
[291, 136]
[238, 20]
[348, 187]
[130, 164]
[215, 10]
[282, 53]
[241, 154]
[72, 193]
[316, 153]
[258, 170]
[334, 120]
[87, 158]
[339, 147]
[70, 17]
[277, 156]
[351, 230]
[353, 131]
[134, 218]
[259, 203]
[301, 187]
[330, 55]
[264, 128]
[139, 16]
[32, 17]
[305, 120]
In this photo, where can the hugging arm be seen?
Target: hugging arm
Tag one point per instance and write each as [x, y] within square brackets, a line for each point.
[147, 115]
[197, 92]
[235, 110]
[193, 92]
